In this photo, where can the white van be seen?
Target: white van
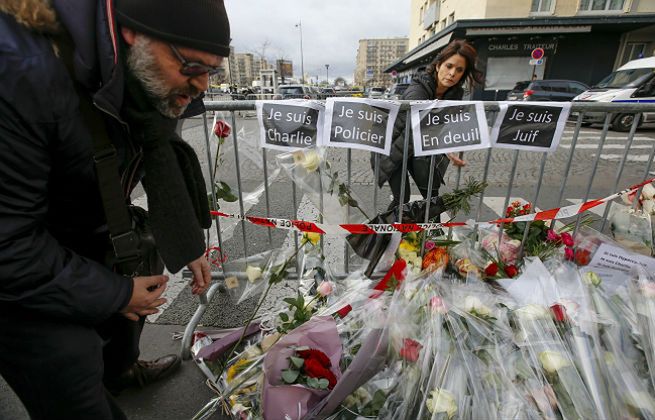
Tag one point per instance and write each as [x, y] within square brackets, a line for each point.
[631, 83]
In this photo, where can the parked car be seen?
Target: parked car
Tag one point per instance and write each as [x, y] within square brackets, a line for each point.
[633, 82]
[297, 92]
[396, 91]
[546, 90]
[376, 92]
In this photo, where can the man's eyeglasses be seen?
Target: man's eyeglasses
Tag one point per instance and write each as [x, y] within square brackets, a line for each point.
[192, 68]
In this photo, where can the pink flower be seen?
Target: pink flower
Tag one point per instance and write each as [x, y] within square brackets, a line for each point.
[552, 236]
[568, 253]
[429, 245]
[222, 129]
[410, 350]
[325, 288]
[567, 239]
[438, 305]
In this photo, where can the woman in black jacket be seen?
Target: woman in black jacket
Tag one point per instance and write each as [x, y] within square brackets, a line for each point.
[442, 79]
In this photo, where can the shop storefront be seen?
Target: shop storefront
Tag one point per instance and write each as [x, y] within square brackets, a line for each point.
[582, 49]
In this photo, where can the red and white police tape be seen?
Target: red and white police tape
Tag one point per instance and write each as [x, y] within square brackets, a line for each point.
[370, 229]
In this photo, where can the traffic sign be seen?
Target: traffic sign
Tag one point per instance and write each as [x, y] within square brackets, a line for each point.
[537, 53]
[534, 62]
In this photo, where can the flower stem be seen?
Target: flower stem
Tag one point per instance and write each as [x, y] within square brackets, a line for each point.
[259, 305]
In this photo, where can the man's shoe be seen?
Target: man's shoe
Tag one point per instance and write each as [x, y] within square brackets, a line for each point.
[143, 372]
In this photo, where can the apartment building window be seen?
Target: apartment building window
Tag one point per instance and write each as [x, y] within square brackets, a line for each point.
[443, 23]
[601, 5]
[541, 6]
[451, 18]
[633, 50]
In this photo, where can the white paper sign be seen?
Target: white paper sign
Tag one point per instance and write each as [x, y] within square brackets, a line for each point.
[289, 125]
[536, 126]
[612, 258]
[357, 123]
[440, 127]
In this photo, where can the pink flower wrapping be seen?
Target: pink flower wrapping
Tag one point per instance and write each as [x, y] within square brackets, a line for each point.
[280, 400]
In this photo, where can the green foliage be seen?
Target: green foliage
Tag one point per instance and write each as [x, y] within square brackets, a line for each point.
[301, 314]
[372, 409]
[290, 376]
[458, 200]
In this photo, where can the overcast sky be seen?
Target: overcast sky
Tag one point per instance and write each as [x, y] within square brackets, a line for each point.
[331, 30]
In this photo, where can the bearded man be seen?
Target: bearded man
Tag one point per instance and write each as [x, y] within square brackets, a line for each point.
[71, 73]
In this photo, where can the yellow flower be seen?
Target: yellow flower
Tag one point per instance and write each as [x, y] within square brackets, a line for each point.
[238, 367]
[442, 401]
[311, 237]
[408, 246]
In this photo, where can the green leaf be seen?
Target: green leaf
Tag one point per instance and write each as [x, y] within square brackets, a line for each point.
[289, 376]
[297, 361]
[312, 382]
[323, 383]
[284, 317]
[290, 301]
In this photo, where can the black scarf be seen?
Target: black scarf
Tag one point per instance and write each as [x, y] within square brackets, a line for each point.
[177, 197]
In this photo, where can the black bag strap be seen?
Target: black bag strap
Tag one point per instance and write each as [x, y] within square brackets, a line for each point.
[124, 240]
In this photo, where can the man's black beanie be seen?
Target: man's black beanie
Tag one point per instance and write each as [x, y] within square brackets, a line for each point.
[199, 24]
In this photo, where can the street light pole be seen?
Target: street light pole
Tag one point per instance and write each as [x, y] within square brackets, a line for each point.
[302, 62]
[327, 74]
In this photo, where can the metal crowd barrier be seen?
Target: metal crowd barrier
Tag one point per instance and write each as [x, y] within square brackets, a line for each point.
[578, 109]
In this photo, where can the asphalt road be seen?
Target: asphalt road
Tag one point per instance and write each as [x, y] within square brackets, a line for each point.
[184, 394]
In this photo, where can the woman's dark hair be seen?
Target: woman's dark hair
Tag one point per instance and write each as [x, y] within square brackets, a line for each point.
[466, 50]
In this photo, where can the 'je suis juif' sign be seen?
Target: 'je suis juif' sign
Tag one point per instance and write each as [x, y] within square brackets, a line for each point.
[365, 124]
[535, 126]
[446, 126]
[289, 125]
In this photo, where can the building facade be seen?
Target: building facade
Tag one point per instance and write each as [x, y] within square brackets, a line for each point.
[373, 56]
[583, 40]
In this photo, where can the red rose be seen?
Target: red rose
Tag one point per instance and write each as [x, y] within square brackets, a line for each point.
[567, 239]
[511, 270]
[508, 212]
[222, 129]
[410, 350]
[491, 269]
[559, 312]
[316, 355]
[582, 257]
[314, 369]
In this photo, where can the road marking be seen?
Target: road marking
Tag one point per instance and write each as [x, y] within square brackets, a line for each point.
[631, 158]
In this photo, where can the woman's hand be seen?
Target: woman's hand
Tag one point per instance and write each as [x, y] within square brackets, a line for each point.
[456, 160]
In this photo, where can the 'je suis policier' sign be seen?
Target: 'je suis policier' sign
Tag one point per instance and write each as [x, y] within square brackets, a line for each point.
[289, 125]
[446, 126]
[535, 126]
[355, 123]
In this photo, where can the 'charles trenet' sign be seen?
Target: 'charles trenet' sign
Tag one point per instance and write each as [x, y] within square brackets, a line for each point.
[448, 126]
[289, 125]
[365, 124]
[534, 126]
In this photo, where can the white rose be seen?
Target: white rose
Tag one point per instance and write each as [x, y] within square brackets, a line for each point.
[648, 206]
[591, 278]
[312, 161]
[648, 192]
[269, 340]
[442, 401]
[532, 312]
[552, 361]
[252, 351]
[253, 273]
[474, 305]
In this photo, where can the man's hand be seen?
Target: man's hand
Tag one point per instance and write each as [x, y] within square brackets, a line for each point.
[456, 160]
[146, 296]
[201, 275]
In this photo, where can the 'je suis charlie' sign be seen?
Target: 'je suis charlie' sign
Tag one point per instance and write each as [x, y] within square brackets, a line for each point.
[289, 125]
[356, 123]
[534, 126]
[440, 127]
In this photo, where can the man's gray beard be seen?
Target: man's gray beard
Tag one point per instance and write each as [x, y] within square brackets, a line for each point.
[142, 63]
